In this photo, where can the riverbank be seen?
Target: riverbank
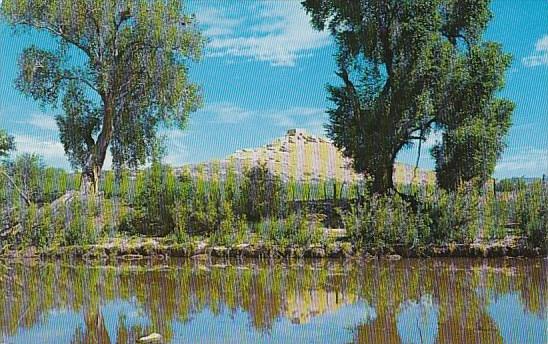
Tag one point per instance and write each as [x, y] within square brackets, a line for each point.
[135, 248]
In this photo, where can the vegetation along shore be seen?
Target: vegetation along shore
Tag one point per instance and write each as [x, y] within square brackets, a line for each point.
[252, 212]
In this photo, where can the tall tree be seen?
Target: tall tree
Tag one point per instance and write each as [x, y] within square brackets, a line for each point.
[119, 72]
[408, 68]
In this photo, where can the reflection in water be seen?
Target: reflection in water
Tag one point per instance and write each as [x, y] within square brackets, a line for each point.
[410, 301]
[418, 321]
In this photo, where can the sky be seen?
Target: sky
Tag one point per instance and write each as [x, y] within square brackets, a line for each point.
[264, 71]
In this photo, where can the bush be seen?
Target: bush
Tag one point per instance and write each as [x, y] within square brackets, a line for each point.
[455, 215]
[531, 213]
[81, 226]
[296, 229]
[262, 194]
[383, 221]
[157, 192]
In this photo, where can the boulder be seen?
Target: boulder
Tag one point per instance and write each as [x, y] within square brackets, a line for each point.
[151, 338]
[393, 257]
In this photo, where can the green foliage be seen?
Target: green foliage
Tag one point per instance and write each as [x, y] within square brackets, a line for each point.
[7, 143]
[460, 216]
[38, 183]
[262, 193]
[295, 229]
[408, 68]
[133, 78]
[81, 227]
[473, 139]
[155, 198]
[511, 184]
[531, 212]
[157, 202]
[384, 221]
[455, 215]
[231, 229]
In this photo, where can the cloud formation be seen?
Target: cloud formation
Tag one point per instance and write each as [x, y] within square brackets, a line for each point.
[227, 113]
[277, 32]
[49, 149]
[42, 121]
[309, 118]
[540, 56]
[530, 162]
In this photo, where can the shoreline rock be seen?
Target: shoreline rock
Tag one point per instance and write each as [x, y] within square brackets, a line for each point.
[508, 247]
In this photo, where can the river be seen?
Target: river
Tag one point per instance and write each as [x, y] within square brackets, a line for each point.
[186, 301]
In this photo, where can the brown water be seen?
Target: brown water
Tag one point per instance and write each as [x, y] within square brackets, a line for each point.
[409, 301]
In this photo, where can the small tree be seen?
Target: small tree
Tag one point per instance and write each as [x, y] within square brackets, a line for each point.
[262, 193]
[7, 143]
[133, 77]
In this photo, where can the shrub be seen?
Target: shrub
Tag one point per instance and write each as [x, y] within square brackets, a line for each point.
[156, 194]
[81, 227]
[262, 194]
[382, 221]
[296, 229]
[531, 213]
[455, 215]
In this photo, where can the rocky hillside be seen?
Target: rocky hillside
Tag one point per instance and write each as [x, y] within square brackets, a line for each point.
[302, 157]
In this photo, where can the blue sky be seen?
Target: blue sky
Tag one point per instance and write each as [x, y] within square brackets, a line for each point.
[265, 71]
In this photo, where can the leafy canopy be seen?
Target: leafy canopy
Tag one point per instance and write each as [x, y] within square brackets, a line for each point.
[120, 71]
[409, 68]
[7, 143]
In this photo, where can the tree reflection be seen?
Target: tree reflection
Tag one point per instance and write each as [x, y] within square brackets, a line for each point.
[413, 300]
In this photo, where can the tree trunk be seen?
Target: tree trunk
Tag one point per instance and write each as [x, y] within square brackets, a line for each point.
[90, 179]
[382, 180]
[96, 159]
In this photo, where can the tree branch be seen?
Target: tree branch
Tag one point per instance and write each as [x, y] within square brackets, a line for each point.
[343, 74]
[86, 82]
[12, 182]
[57, 32]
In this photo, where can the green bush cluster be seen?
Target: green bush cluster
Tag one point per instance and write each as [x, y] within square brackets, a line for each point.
[440, 216]
[40, 184]
[295, 229]
[385, 221]
[236, 207]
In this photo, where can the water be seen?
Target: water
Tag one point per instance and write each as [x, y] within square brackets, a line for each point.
[409, 301]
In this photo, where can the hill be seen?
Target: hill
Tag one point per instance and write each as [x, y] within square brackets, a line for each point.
[302, 157]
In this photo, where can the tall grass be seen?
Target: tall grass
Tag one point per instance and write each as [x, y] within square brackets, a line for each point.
[231, 207]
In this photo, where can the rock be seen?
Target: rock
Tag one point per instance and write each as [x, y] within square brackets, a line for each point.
[151, 338]
[393, 257]
[219, 251]
[202, 256]
[132, 257]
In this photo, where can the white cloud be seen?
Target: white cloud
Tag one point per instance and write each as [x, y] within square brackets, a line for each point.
[540, 56]
[280, 34]
[294, 117]
[530, 163]
[227, 113]
[542, 44]
[50, 150]
[312, 119]
[42, 121]
[217, 23]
